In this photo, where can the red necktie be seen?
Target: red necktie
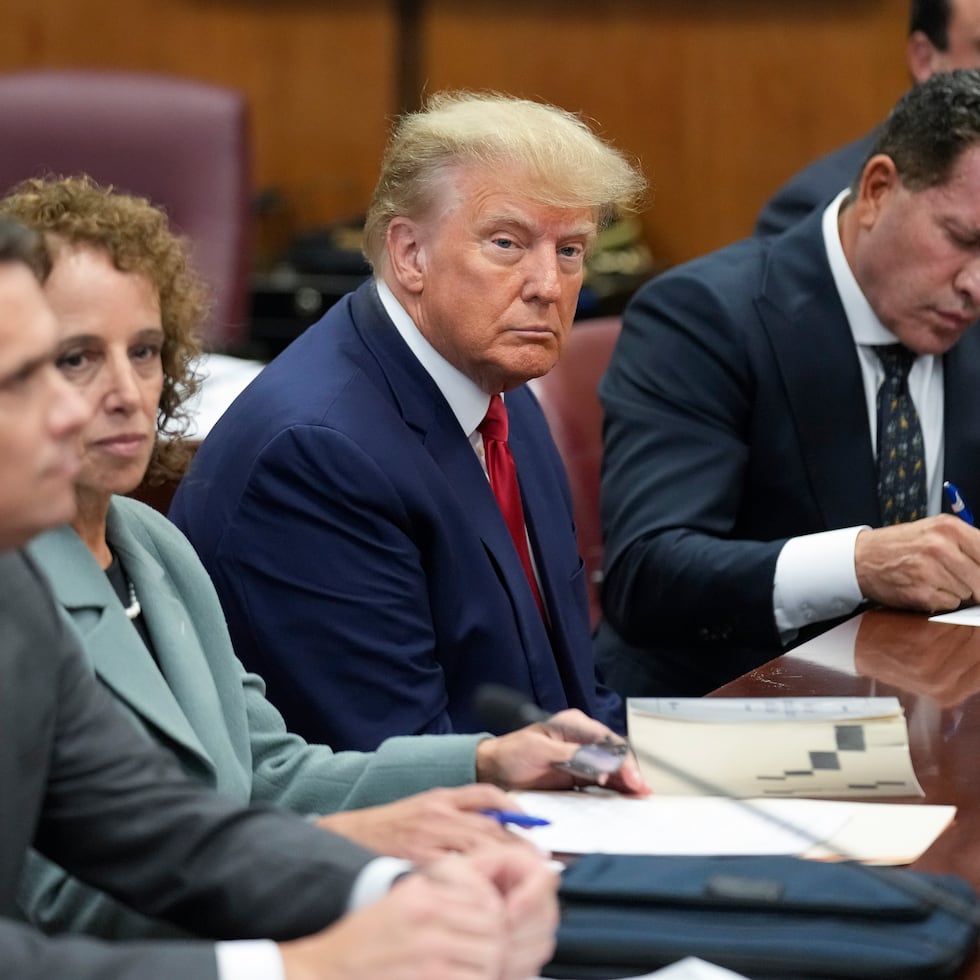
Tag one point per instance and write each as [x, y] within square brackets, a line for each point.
[503, 482]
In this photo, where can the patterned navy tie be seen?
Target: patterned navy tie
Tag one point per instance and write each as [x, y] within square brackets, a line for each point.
[902, 492]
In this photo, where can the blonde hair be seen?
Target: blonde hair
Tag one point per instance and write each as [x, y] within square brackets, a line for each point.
[567, 165]
[70, 211]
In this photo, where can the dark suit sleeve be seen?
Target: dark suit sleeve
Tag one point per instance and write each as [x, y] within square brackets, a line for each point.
[26, 954]
[350, 609]
[790, 204]
[814, 185]
[121, 815]
[679, 422]
[118, 813]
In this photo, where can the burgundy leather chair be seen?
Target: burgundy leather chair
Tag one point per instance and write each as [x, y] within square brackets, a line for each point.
[183, 144]
[568, 394]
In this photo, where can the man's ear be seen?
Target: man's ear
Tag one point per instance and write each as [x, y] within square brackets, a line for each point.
[406, 255]
[879, 180]
[923, 57]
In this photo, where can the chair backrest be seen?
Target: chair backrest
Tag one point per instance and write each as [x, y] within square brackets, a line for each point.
[568, 394]
[183, 144]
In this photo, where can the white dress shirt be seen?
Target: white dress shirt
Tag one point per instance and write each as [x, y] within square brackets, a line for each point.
[469, 403]
[815, 576]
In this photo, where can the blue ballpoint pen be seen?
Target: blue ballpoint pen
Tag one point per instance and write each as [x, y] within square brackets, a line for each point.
[957, 504]
[517, 819]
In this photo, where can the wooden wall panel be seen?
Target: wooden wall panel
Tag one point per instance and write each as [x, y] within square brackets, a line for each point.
[319, 77]
[719, 99]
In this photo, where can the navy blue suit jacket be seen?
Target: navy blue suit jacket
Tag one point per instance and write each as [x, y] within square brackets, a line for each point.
[815, 184]
[736, 419]
[360, 556]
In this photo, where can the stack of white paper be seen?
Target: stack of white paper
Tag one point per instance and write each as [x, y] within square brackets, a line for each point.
[689, 968]
[875, 833]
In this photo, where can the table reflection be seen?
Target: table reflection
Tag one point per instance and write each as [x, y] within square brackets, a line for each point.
[934, 670]
[938, 660]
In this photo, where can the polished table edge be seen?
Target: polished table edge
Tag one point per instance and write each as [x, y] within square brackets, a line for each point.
[934, 671]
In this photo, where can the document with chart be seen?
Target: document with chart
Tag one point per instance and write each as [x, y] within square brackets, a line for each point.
[773, 747]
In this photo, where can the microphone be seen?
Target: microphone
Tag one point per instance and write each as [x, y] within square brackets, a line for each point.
[502, 709]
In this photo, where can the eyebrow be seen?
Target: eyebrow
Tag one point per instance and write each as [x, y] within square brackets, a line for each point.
[970, 235]
[75, 338]
[25, 370]
[497, 218]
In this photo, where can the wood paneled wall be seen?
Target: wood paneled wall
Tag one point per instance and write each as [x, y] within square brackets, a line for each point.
[720, 100]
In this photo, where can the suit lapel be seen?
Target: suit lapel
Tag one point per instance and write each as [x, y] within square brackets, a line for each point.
[814, 350]
[547, 520]
[184, 664]
[452, 451]
[548, 526]
[421, 404]
[112, 644]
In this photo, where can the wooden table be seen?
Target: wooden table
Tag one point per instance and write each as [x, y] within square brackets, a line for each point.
[934, 670]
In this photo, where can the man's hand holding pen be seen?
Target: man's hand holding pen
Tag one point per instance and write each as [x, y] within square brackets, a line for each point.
[566, 750]
[931, 565]
[957, 504]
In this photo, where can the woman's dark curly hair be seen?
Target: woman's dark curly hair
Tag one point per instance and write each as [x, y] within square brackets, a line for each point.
[72, 211]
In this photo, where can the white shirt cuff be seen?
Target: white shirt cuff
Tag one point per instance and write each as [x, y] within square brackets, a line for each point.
[815, 580]
[249, 959]
[259, 959]
[374, 880]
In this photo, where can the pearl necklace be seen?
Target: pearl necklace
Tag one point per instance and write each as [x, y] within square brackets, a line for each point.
[134, 608]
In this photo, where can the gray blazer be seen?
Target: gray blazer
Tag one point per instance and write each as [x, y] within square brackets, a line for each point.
[118, 812]
[201, 704]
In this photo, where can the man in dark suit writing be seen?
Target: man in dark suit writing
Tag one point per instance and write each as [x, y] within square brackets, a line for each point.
[772, 406]
[118, 813]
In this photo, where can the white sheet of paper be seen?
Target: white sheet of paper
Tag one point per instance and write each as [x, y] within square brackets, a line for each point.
[585, 822]
[689, 968]
[692, 968]
[970, 616]
[879, 833]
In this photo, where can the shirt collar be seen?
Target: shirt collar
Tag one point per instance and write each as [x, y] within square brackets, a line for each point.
[865, 326]
[467, 401]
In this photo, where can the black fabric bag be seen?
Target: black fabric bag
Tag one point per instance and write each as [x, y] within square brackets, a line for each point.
[763, 917]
